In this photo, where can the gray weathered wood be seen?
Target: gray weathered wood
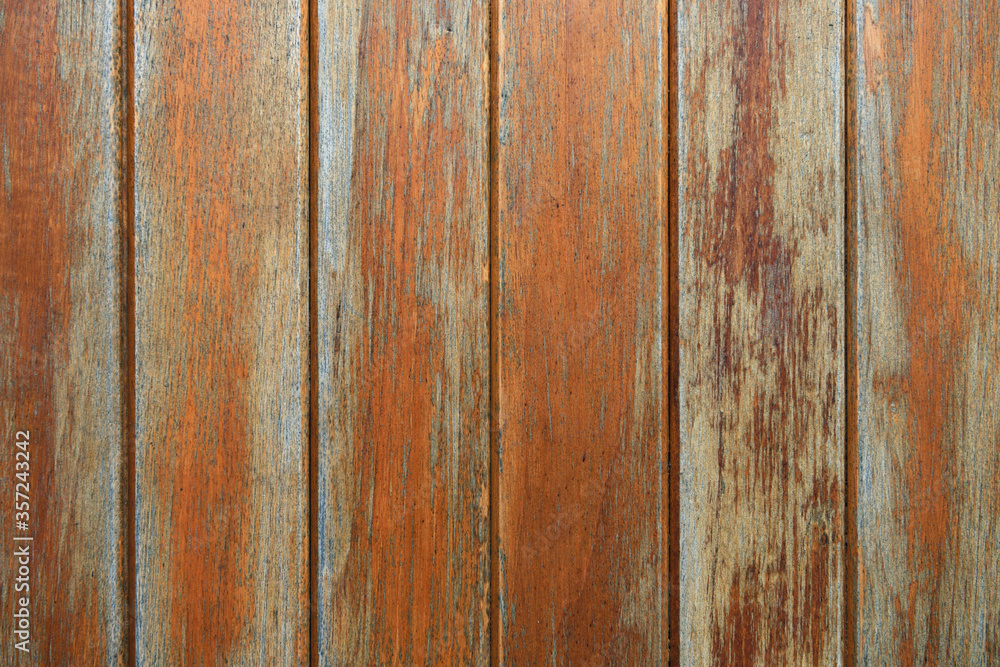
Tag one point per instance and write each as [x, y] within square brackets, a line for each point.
[761, 377]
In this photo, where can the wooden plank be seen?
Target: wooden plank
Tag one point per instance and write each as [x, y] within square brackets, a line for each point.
[580, 252]
[61, 330]
[928, 343]
[221, 238]
[403, 325]
[761, 309]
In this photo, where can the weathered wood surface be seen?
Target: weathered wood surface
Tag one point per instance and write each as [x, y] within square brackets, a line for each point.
[221, 330]
[761, 310]
[403, 324]
[61, 327]
[580, 215]
[927, 337]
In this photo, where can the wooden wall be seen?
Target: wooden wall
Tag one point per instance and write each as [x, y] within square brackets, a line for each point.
[468, 332]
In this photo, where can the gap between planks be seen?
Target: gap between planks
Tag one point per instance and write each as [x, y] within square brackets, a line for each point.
[494, 271]
[128, 376]
[673, 345]
[313, 150]
[850, 553]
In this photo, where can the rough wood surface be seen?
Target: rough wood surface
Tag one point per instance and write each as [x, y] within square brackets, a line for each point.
[580, 169]
[928, 344]
[403, 349]
[60, 327]
[761, 281]
[221, 272]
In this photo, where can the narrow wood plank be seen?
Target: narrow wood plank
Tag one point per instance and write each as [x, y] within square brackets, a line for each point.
[928, 339]
[761, 281]
[580, 177]
[61, 330]
[403, 349]
[221, 187]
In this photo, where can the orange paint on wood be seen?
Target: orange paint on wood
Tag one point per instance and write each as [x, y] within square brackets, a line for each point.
[579, 326]
[221, 334]
[403, 351]
[60, 328]
[927, 342]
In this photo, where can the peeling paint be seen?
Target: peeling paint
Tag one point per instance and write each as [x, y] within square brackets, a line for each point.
[761, 380]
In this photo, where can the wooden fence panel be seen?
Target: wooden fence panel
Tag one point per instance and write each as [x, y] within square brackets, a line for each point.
[761, 311]
[457, 213]
[221, 333]
[61, 317]
[927, 337]
[403, 332]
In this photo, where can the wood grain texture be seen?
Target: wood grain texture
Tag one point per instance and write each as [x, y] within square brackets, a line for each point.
[927, 211]
[761, 309]
[61, 326]
[580, 177]
[221, 235]
[403, 323]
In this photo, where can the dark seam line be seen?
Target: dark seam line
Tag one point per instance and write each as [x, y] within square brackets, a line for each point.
[850, 367]
[313, 149]
[128, 204]
[673, 347]
[493, 216]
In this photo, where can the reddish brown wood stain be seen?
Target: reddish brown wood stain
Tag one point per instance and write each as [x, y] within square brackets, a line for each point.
[740, 241]
[403, 349]
[216, 486]
[221, 335]
[580, 427]
[927, 332]
[761, 309]
[60, 277]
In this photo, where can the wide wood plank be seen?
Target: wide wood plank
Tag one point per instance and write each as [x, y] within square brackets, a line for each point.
[403, 322]
[61, 331]
[221, 188]
[761, 311]
[579, 312]
[927, 210]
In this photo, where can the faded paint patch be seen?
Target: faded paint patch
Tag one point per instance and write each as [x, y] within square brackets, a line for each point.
[761, 386]
[874, 51]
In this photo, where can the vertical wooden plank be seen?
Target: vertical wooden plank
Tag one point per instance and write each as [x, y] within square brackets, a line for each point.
[761, 278]
[403, 349]
[221, 332]
[61, 330]
[928, 342]
[580, 178]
